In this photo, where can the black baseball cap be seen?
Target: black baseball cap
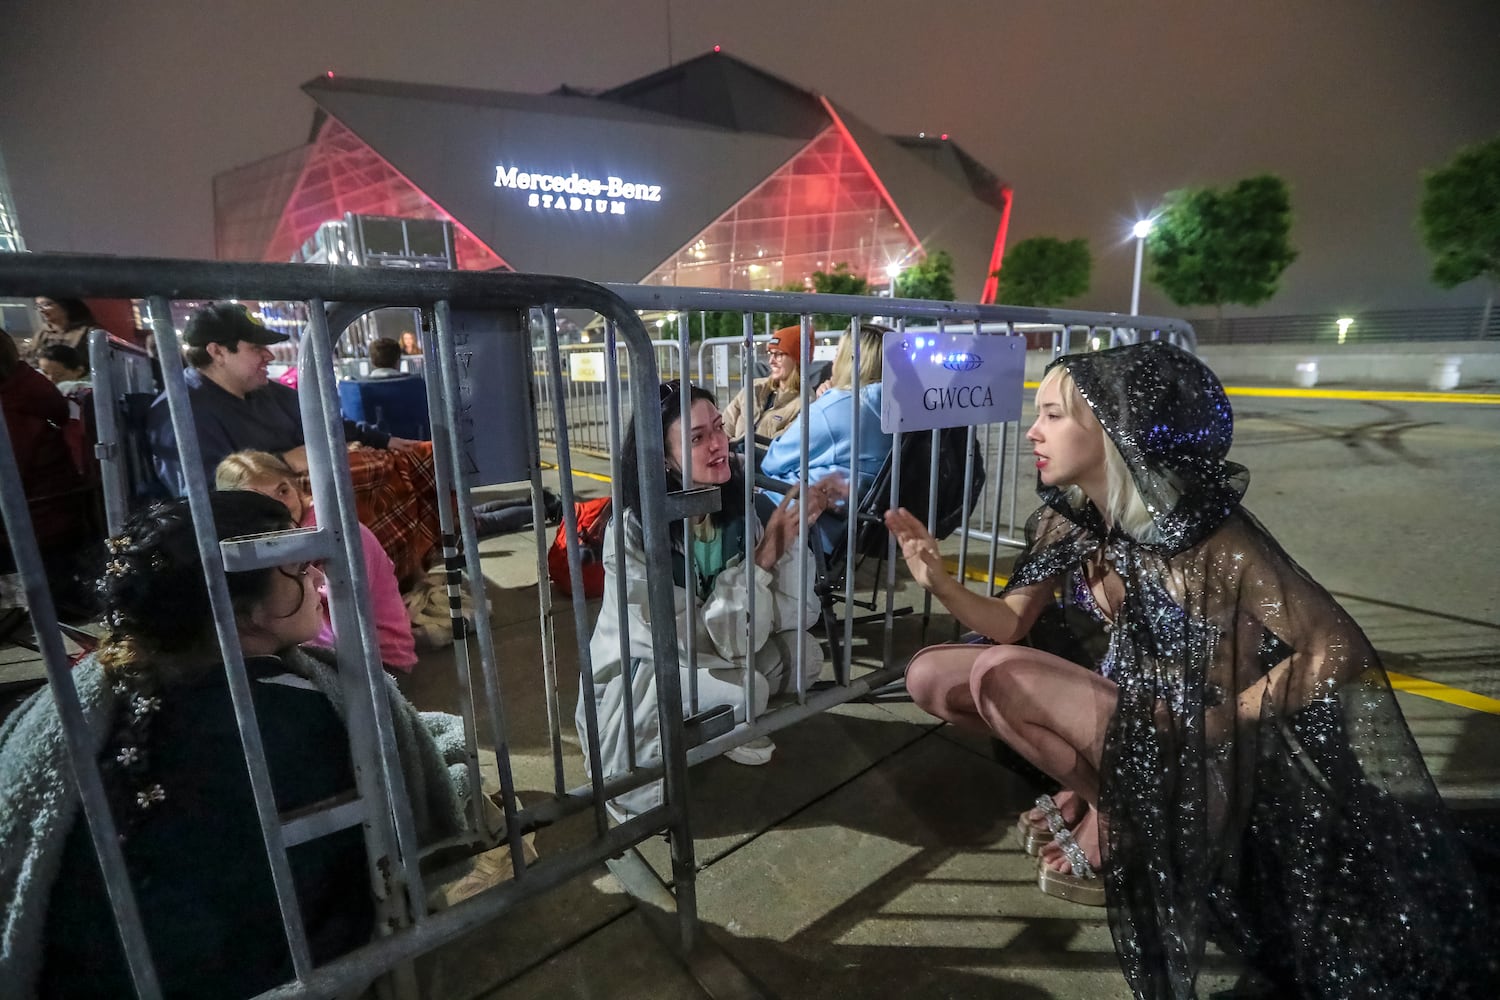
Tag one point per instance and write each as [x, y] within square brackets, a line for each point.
[228, 323]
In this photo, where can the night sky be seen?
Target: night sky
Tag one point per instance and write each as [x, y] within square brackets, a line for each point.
[114, 116]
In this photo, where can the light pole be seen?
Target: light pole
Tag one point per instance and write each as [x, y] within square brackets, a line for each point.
[892, 271]
[1141, 230]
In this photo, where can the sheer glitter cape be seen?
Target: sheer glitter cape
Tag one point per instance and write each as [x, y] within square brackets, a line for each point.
[1260, 787]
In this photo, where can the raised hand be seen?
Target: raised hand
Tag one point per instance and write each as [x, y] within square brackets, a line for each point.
[781, 528]
[918, 548]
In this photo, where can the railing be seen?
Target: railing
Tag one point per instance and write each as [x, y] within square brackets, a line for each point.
[1063, 330]
[572, 413]
[336, 296]
[1375, 326]
[582, 389]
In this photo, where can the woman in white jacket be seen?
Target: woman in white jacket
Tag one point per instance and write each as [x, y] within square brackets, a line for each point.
[721, 580]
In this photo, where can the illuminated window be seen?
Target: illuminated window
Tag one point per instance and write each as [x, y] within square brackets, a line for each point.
[339, 173]
[821, 209]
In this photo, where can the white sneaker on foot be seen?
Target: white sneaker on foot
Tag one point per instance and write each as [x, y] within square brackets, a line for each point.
[754, 753]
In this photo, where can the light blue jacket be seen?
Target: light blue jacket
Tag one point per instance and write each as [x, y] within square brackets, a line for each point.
[829, 419]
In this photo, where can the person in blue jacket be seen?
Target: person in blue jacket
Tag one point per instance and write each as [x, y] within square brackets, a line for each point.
[830, 419]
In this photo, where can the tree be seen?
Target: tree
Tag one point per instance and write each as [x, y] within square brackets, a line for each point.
[1044, 271]
[929, 278]
[702, 326]
[1460, 220]
[1212, 246]
[839, 281]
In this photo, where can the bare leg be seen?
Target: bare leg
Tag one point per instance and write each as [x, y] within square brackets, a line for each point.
[941, 682]
[938, 680]
[1054, 713]
[1051, 710]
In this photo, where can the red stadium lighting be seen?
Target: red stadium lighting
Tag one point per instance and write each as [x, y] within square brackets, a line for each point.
[716, 48]
[945, 137]
[330, 74]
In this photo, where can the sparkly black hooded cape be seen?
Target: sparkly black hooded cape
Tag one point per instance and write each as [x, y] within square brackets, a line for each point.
[1260, 787]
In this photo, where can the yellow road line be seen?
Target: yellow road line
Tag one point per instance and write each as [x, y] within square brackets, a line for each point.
[579, 472]
[1365, 395]
[1444, 693]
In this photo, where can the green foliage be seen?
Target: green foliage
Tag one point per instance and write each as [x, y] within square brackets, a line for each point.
[1044, 271]
[1460, 216]
[702, 325]
[930, 278]
[839, 281]
[1212, 246]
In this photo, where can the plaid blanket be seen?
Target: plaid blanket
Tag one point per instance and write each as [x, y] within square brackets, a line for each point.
[395, 496]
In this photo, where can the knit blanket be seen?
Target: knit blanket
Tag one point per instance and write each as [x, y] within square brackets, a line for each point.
[39, 799]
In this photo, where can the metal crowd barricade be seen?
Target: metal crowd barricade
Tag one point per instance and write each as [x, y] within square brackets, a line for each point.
[988, 522]
[337, 296]
[123, 388]
[583, 392]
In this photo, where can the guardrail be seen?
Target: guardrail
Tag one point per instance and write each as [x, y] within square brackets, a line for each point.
[336, 296]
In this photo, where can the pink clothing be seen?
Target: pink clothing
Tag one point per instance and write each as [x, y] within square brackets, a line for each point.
[392, 626]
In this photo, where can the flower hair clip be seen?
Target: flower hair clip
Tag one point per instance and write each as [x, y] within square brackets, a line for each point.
[147, 797]
[117, 544]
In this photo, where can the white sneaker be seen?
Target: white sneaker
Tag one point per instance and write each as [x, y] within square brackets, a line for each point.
[754, 753]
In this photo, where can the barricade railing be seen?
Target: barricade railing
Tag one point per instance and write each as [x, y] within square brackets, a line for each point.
[582, 389]
[988, 522]
[468, 314]
[124, 386]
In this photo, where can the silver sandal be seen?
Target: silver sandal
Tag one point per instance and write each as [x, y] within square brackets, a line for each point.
[1082, 884]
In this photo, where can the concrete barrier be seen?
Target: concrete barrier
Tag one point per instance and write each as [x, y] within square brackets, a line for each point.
[1440, 365]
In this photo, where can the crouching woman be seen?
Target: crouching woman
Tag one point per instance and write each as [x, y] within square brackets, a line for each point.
[721, 582]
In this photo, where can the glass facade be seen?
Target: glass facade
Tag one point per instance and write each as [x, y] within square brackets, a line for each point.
[339, 173]
[821, 209]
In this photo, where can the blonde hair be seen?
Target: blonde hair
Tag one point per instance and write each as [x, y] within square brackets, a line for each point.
[239, 470]
[871, 362]
[1124, 506]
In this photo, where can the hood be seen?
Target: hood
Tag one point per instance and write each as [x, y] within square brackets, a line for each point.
[1168, 415]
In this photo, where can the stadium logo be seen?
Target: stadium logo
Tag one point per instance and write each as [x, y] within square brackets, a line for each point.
[962, 361]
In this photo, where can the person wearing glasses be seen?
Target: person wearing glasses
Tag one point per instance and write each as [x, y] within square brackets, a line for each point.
[775, 400]
[712, 565]
[159, 719]
[830, 420]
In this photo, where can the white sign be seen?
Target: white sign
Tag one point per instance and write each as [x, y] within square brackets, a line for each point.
[936, 380]
[825, 352]
[586, 366]
[572, 193]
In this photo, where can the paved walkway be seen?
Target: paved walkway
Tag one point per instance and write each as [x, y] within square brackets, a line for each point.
[874, 856]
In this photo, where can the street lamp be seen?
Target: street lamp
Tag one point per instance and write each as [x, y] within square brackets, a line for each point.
[1140, 231]
[892, 271]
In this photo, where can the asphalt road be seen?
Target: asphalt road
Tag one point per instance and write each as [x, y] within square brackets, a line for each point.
[1399, 502]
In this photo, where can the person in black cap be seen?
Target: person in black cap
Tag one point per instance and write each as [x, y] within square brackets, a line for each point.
[1238, 767]
[235, 405]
